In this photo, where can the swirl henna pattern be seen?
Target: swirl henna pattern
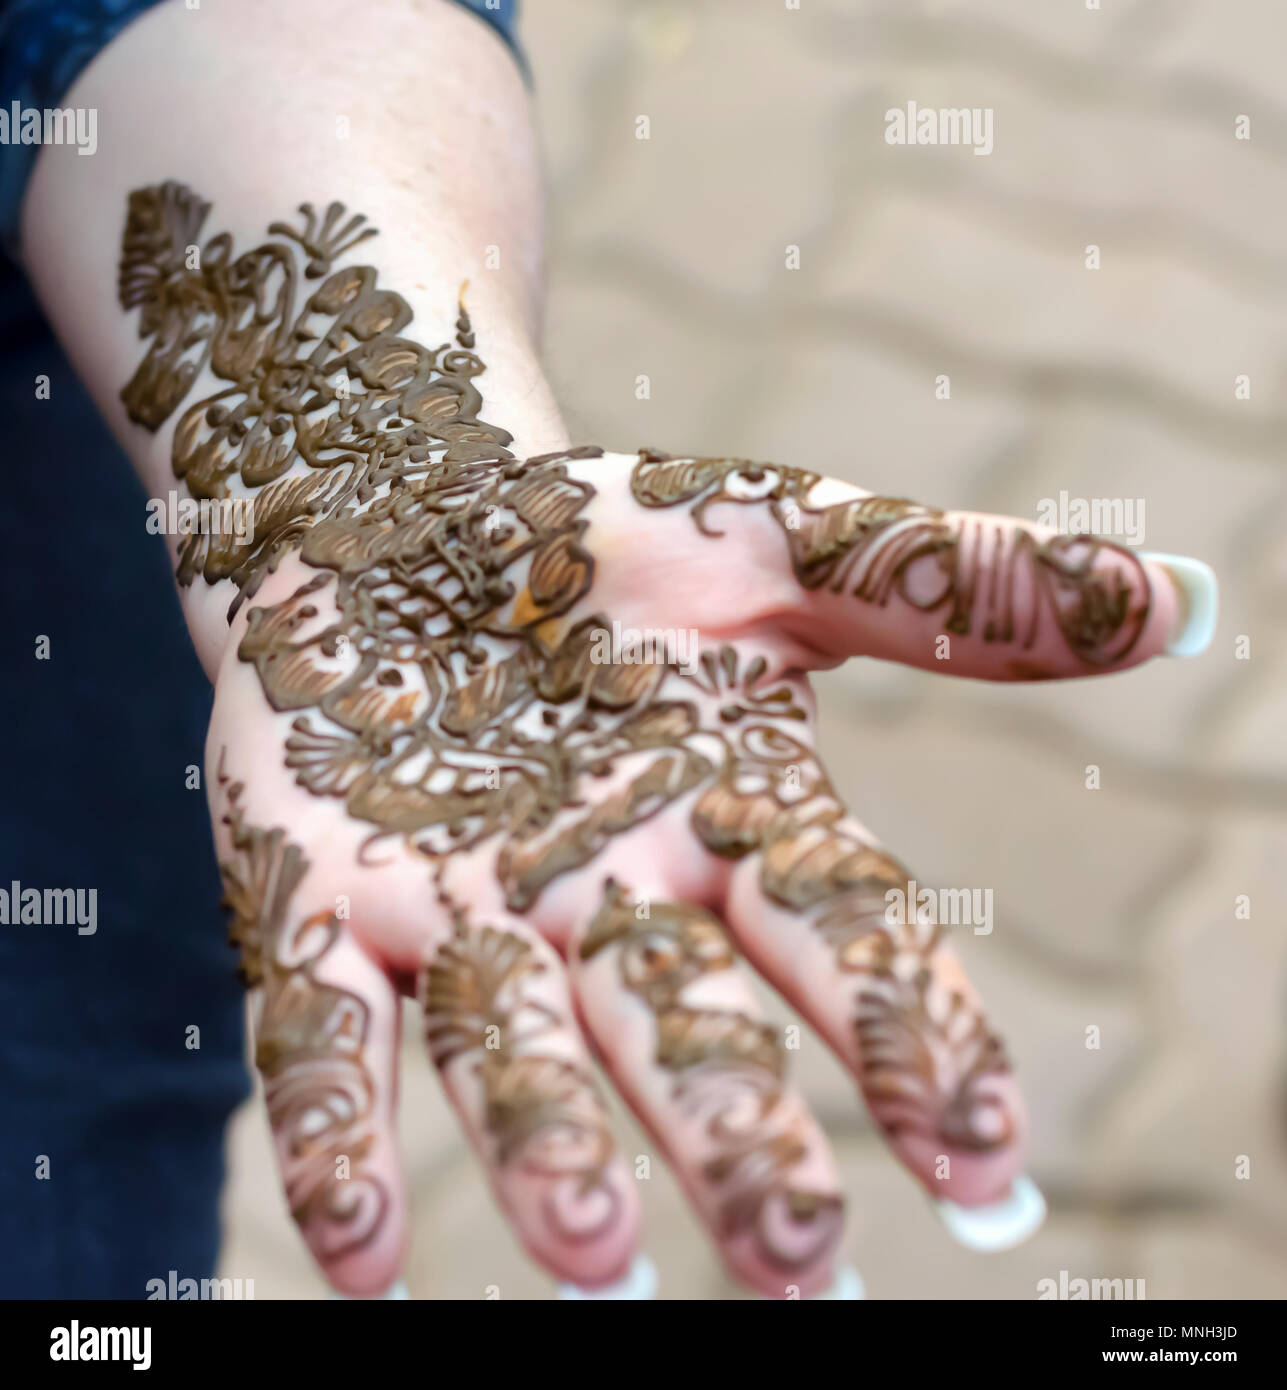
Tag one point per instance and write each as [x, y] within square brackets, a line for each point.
[876, 548]
[925, 1068]
[729, 1069]
[309, 1038]
[443, 671]
[542, 1112]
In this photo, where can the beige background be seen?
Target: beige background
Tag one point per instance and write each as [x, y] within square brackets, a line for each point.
[1115, 908]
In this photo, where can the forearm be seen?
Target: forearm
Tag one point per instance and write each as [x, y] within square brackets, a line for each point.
[420, 123]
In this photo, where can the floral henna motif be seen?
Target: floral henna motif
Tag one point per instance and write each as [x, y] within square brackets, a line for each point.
[325, 385]
[879, 547]
[729, 1072]
[309, 1040]
[542, 1112]
[447, 698]
[450, 709]
[926, 1069]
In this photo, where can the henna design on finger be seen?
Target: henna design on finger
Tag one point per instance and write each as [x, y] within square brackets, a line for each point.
[926, 1057]
[729, 1072]
[309, 1039]
[877, 548]
[926, 1064]
[541, 1111]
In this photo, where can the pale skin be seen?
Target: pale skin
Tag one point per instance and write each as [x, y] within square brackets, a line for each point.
[443, 181]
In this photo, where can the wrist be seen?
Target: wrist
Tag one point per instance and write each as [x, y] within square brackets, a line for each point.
[400, 407]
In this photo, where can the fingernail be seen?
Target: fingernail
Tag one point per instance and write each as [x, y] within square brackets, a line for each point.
[998, 1225]
[639, 1284]
[395, 1292]
[1199, 600]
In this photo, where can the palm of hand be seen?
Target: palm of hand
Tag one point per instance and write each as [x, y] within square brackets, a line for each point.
[518, 714]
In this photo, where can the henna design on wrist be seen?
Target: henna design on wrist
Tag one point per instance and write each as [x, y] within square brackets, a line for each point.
[728, 1071]
[309, 1039]
[875, 548]
[326, 385]
[542, 1112]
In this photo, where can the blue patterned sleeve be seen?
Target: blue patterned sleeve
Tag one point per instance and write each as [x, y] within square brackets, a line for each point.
[46, 44]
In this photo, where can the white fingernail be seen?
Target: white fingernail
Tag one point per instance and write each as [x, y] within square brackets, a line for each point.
[639, 1284]
[999, 1225]
[396, 1291]
[1201, 593]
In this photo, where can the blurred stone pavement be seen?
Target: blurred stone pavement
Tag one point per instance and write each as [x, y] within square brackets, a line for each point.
[1115, 908]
